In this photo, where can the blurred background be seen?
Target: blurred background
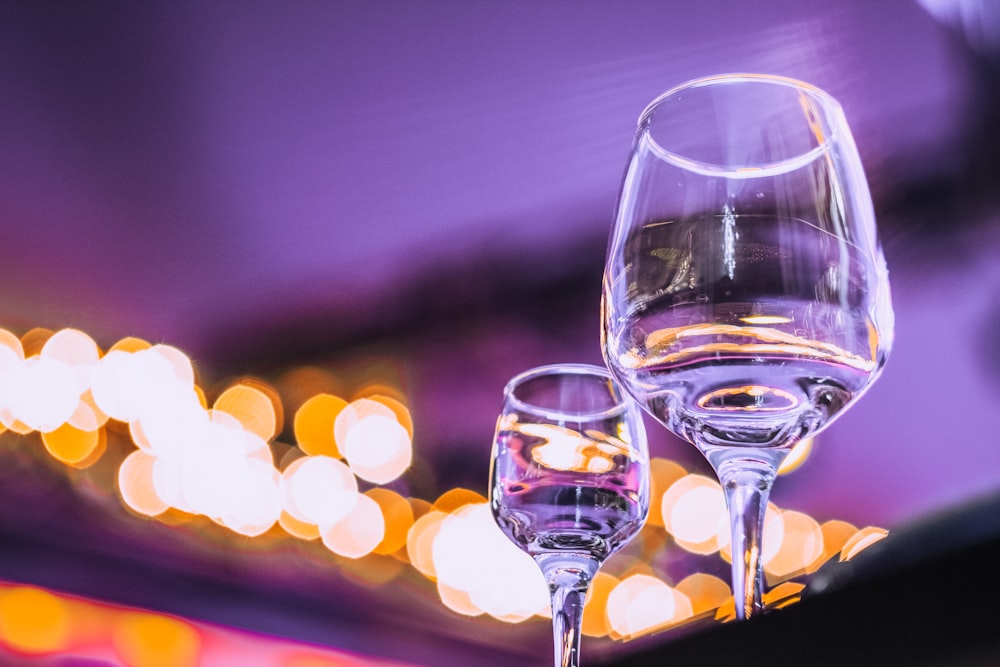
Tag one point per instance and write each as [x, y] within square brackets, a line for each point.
[309, 208]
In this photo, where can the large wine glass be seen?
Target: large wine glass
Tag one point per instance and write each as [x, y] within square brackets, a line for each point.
[569, 481]
[746, 300]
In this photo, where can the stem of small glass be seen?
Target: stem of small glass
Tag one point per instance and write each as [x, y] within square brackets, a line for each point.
[569, 578]
[747, 485]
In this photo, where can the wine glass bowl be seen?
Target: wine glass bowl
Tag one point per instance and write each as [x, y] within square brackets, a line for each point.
[569, 481]
[746, 300]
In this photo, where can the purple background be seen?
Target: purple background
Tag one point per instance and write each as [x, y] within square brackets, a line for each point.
[264, 184]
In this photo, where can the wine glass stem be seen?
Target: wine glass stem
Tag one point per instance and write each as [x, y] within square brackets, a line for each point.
[747, 490]
[569, 579]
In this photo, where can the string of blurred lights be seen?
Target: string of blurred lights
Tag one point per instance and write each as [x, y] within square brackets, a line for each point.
[223, 461]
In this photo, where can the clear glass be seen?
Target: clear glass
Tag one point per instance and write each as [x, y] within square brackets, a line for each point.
[569, 482]
[745, 300]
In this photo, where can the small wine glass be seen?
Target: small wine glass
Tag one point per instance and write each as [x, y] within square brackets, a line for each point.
[569, 482]
[746, 299]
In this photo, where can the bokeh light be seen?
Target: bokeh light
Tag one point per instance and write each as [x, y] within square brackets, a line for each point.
[469, 548]
[420, 542]
[641, 603]
[313, 425]
[835, 536]
[356, 411]
[861, 540]
[397, 514]
[797, 456]
[223, 462]
[662, 475]
[801, 545]
[452, 499]
[706, 592]
[46, 393]
[136, 485]
[356, 534]
[302, 530]
[252, 407]
[76, 350]
[318, 489]
[693, 511]
[151, 640]
[377, 448]
[33, 620]
[595, 609]
[73, 446]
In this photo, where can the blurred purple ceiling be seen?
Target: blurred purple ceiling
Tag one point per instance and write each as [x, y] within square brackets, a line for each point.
[193, 171]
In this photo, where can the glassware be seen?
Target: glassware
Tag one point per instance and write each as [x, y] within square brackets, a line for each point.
[569, 482]
[746, 300]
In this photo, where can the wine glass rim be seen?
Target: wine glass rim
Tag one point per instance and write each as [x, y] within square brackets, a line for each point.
[782, 166]
[565, 369]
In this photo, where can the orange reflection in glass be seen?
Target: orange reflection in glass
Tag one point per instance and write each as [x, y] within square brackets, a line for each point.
[313, 424]
[298, 385]
[765, 341]
[797, 456]
[378, 448]
[151, 640]
[765, 319]
[33, 620]
[748, 398]
[567, 449]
